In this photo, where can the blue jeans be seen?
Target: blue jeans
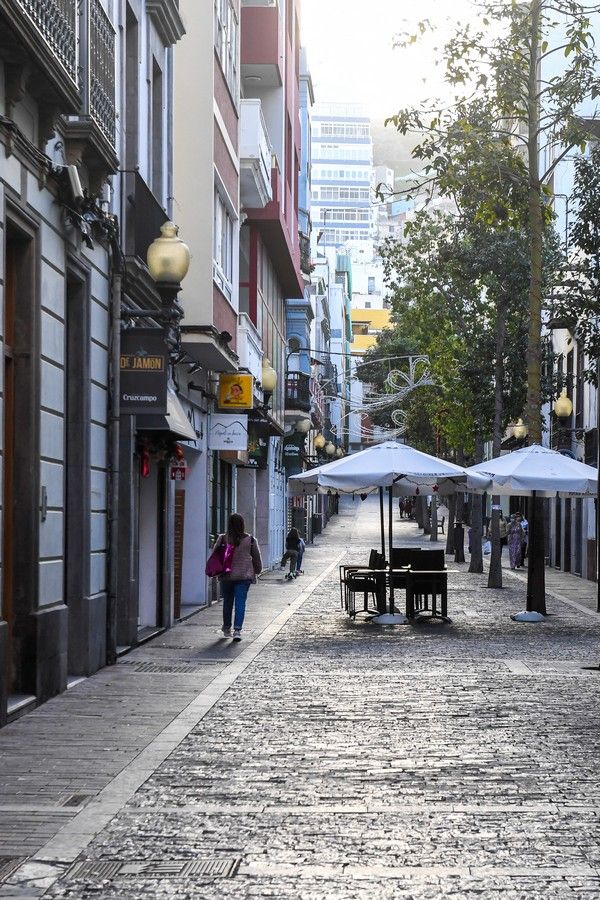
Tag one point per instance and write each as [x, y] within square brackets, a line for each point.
[299, 561]
[234, 592]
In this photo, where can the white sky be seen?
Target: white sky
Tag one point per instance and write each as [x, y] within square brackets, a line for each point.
[350, 54]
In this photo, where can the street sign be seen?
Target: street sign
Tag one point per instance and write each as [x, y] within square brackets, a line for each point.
[228, 432]
[143, 372]
[178, 473]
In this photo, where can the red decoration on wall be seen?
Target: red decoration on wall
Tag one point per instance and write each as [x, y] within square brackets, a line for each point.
[145, 463]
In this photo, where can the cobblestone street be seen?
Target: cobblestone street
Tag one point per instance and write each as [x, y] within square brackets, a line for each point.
[321, 757]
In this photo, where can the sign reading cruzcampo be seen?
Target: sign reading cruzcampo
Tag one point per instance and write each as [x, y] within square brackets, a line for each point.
[143, 371]
[236, 391]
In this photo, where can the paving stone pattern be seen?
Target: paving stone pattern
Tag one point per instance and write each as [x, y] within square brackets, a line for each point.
[344, 760]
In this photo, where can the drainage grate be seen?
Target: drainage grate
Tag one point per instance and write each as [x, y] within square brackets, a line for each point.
[166, 668]
[77, 799]
[213, 868]
[8, 864]
[94, 870]
[590, 668]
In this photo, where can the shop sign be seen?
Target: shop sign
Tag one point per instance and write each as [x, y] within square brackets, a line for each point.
[236, 391]
[178, 473]
[143, 372]
[258, 449]
[228, 432]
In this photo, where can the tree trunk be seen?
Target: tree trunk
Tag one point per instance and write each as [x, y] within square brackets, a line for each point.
[450, 531]
[434, 518]
[426, 517]
[419, 511]
[459, 512]
[495, 572]
[536, 587]
[476, 564]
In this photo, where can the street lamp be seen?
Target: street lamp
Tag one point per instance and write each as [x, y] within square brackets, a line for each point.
[520, 430]
[303, 426]
[319, 442]
[168, 261]
[268, 381]
[563, 407]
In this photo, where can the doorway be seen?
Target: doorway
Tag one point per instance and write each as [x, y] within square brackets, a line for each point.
[150, 532]
[20, 477]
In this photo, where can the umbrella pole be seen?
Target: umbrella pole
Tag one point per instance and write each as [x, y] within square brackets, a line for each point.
[390, 539]
[382, 522]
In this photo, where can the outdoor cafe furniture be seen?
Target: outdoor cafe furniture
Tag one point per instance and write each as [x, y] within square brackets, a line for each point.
[366, 580]
[424, 585]
[424, 576]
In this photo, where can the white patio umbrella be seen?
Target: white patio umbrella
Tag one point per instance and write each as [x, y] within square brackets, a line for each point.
[398, 467]
[387, 465]
[534, 471]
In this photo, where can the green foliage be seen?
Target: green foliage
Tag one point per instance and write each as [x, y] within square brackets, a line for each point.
[577, 300]
[508, 116]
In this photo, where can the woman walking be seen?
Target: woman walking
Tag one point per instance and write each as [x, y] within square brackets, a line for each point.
[515, 540]
[245, 566]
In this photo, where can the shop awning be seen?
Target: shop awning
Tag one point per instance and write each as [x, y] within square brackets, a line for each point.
[175, 421]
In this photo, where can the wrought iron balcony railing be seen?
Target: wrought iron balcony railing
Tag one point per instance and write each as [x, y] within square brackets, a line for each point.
[305, 263]
[56, 21]
[102, 71]
[297, 391]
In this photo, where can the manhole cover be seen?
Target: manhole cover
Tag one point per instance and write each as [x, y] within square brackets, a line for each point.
[8, 864]
[167, 669]
[215, 868]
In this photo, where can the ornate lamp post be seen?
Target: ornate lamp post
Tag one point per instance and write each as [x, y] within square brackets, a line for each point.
[268, 382]
[168, 262]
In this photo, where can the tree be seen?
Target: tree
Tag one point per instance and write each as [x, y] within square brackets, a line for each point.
[578, 298]
[517, 104]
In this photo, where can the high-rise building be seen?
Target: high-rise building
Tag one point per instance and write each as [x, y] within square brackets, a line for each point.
[342, 164]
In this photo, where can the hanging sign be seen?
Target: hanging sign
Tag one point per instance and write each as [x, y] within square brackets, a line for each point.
[236, 391]
[143, 372]
[228, 432]
[178, 473]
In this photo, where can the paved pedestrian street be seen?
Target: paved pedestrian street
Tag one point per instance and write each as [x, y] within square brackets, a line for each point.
[321, 758]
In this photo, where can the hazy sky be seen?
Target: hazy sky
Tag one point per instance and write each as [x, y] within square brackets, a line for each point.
[349, 46]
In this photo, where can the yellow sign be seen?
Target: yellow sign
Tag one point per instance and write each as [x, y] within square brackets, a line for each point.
[236, 391]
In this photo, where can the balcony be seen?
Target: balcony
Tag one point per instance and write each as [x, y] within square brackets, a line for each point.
[262, 52]
[317, 406]
[255, 157]
[90, 136]
[46, 32]
[249, 347]
[297, 392]
[306, 266]
[142, 217]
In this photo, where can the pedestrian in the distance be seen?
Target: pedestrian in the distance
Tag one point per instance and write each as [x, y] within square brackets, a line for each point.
[401, 507]
[292, 546]
[245, 566]
[515, 540]
[525, 526]
[408, 507]
[301, 549]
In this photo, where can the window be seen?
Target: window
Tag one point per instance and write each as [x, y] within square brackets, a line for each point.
[371, 287]
[346, 214]
[223, 249]
[226, 42]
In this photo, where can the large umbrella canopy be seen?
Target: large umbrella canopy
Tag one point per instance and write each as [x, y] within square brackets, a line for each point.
[537, 469]
[387, 465]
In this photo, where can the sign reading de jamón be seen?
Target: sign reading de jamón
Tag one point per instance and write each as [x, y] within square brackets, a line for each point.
[144, 363]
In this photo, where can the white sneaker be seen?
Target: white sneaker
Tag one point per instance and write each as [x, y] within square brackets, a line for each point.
[226, 631]
[237, 635]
